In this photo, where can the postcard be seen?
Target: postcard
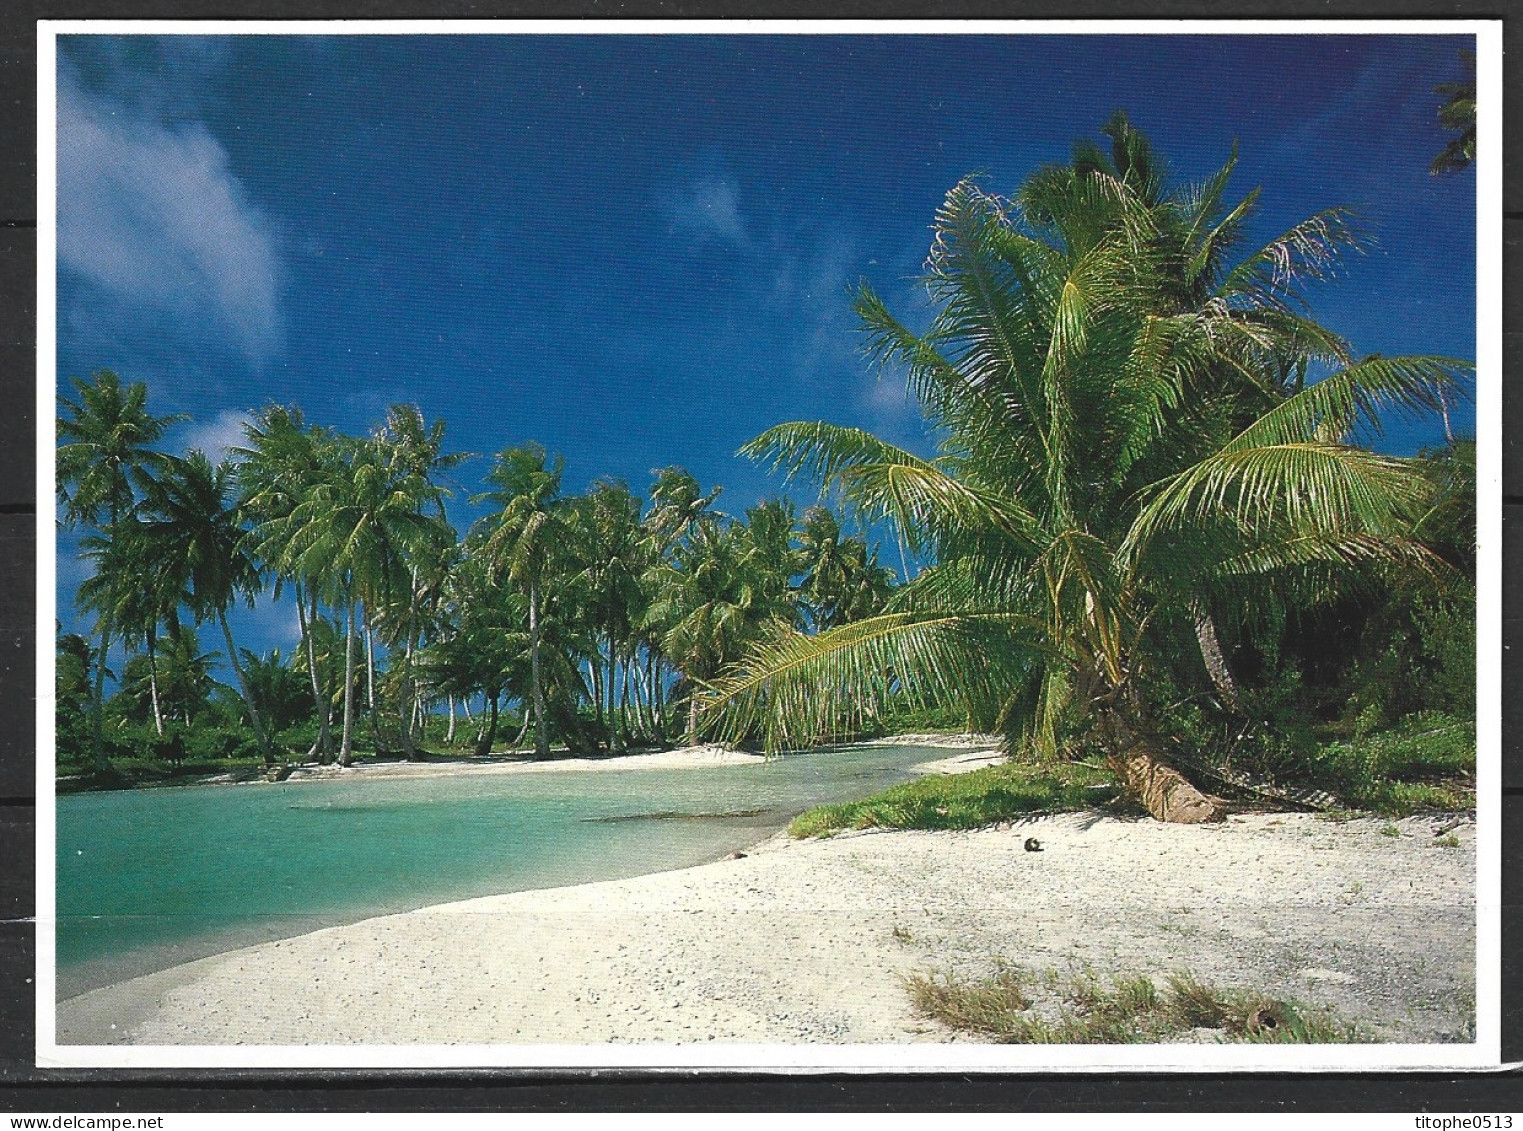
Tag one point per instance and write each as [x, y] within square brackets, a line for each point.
[908, 546]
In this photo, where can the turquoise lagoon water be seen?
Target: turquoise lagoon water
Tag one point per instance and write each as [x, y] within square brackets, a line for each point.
[150, 878]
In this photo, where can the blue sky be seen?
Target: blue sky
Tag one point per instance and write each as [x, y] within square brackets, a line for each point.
[636, 249]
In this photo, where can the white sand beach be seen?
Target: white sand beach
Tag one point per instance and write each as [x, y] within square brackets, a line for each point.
[809, 941]
[980, 750]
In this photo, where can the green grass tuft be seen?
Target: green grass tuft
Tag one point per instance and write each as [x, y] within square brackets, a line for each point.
[1017, 1006]
[966, 801]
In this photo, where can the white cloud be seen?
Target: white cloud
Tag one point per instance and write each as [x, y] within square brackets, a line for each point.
[216, 436]
[711, 207]
[152, 214]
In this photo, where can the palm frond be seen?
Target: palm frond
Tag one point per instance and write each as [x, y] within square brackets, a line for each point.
[883, 481]
[1330, 410]
[1282, 490]
[797, 689]
[1312, 250]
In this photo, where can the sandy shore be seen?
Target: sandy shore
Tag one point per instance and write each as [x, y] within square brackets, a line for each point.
[980, 750]
[808, 941]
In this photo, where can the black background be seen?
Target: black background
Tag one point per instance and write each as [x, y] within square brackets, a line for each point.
[23, 1087]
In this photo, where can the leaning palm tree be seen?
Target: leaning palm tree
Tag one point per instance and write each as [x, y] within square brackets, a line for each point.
[1130, 446]
[105, 458]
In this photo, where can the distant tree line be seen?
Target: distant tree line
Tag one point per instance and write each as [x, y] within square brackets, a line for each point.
[599, 616]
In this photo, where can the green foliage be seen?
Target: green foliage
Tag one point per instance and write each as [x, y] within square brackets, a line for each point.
[1129, 448]
[1426, 762]
[1016, 1006]
[965, 801]
[1457, 116]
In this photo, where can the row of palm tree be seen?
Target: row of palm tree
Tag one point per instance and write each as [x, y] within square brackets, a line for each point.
[570, 605]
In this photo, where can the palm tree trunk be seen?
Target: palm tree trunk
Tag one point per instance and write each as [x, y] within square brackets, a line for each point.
[324, 708]
[625, 726]
[369, 662]
[346, 743]
[248, 692]
[449, 735]
[1211, 653]
[595, 677]
[522, 732]
[541, 738]
[489, 735]
[98, 708]
[1140, 766]
[657, 699]
[692, 715]
[409, 700]
[153, 686]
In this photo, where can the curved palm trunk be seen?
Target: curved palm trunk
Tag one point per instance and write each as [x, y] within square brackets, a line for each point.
[1211, 653]
[1138, 761]
[489, 735]
[523, 732]
[346, 743]
[247, 692]
[541, 737]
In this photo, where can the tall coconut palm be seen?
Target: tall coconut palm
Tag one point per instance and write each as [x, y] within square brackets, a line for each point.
[417, 449]
[283, 459]
[356, 531]
[523, 538]
[106, 457]
[191, 516]
[611, 557]
[1125, 450]
[136, 589]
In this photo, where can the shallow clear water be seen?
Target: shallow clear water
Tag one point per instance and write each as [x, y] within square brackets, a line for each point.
[150, 878]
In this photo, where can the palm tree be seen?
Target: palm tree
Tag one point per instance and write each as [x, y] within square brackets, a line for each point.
[843, 581]
[1457, 115]
[419, 448]
[192, 520]
[284, 460]
[137, 590]
[522, 539]
[106, 457]
[356, 531]
[1125, 451]
[713, 599]
[612, 556]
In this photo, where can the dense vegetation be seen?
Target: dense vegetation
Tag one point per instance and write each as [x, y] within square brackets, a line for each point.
[596, 614]
[1151, 482]
[1155, 535]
